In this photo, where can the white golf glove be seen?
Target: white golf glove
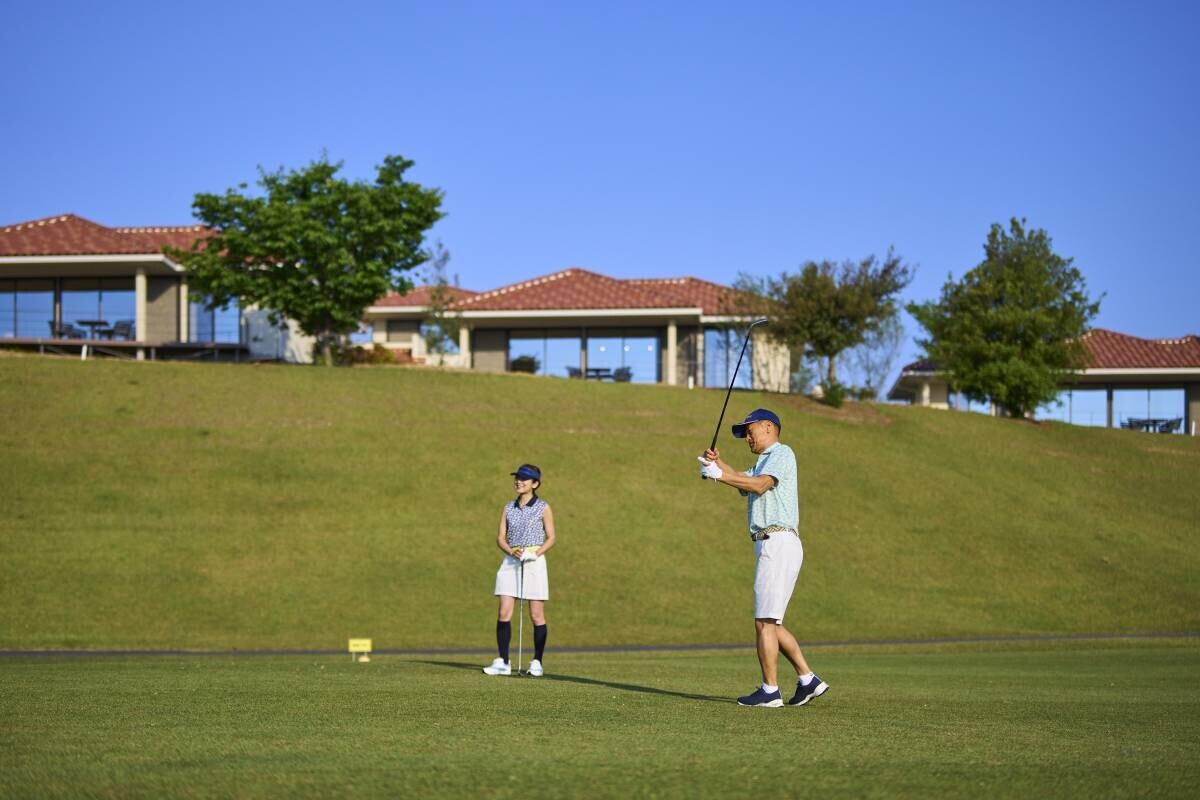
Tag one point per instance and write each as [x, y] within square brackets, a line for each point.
[529, 554]
[709, 469]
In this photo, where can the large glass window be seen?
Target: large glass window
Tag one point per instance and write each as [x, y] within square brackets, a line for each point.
[1149, 409]
[627, 356]
[8, 309]
[1088, 407]
[721, 350]
[34, 309]
[547, 352]
[216, 325]
[1143, 409]
[97, 306]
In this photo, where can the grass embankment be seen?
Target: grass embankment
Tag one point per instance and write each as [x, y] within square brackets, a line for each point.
[1111, 720]
[220, 506]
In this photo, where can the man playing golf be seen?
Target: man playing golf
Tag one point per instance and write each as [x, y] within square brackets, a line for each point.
[526, 533]
[773, 514]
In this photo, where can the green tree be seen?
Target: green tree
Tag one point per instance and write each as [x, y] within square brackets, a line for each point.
[442, 324]
[827, 308]
[1011, 328]
[313, 247]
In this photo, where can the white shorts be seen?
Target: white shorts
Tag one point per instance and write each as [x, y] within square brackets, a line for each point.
[779, 560]
[537, 579]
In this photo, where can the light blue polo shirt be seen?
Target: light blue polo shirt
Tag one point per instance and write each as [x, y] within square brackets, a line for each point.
[781, 505]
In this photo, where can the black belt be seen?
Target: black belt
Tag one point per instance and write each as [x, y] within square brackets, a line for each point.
[765, 533]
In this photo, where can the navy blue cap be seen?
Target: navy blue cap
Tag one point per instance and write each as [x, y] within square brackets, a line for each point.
[757, 415]
[527, 472]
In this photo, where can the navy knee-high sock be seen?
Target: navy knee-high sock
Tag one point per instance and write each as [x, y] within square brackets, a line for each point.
[539, 641]
[503, 637]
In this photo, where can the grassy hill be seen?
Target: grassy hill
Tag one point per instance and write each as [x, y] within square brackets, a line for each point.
[217, 506]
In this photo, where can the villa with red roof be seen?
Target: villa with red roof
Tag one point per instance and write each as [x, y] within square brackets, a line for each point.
[1125, 376]
[579, 323]
[67, 283]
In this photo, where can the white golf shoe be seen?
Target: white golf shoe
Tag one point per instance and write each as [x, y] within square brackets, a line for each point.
[498, 667]
[535, 668]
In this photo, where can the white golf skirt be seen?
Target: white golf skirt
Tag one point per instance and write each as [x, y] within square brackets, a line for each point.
[536, 579]
[779, 561]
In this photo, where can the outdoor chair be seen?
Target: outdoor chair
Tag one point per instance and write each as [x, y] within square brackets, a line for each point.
[574, 372]
[1171, 425]
[66, 331]
[623, 374]
[121, 328]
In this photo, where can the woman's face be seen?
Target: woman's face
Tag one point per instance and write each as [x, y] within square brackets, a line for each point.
[523, 485]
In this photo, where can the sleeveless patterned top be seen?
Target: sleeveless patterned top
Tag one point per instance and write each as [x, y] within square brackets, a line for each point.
[525, 527]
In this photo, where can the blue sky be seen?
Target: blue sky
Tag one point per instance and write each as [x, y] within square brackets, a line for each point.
[647, 139]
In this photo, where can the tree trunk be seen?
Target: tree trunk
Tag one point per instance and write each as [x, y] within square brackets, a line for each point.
[831, 378]
[327, 348]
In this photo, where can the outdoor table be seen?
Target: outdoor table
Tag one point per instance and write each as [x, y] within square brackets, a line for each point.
[599, 373]
[93, 325]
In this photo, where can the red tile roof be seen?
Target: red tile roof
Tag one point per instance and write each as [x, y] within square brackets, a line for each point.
[71, 235]
[711, 298]
[1111, 350]
[578, 289]
[572, 288]
[419, 297]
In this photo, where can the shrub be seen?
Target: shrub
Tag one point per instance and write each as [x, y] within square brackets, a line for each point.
[363, 355]
[528, 364]
[834, 396]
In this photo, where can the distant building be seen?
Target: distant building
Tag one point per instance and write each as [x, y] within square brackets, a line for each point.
[578, 323]
[1118, 366]
[67, 283]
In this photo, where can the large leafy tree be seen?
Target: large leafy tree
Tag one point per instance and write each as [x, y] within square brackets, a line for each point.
[827, 308]
[312, 247]
[1011, 327]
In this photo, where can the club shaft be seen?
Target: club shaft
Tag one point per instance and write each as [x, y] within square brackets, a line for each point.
[733, 380]
[521, 620]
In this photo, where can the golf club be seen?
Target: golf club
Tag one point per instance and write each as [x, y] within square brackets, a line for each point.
[521, 619]
[732, 380]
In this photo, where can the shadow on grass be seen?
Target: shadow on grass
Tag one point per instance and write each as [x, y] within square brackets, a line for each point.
[625, 687]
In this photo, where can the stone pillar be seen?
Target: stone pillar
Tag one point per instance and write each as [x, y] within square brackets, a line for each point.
[1191, 409]
[925, 393]
[139, 293]
[185, 324]
[464, 343]
[1108, 392]
[672, 355]
[583, 337]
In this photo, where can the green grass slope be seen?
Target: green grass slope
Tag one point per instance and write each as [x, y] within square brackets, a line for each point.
[219, 506]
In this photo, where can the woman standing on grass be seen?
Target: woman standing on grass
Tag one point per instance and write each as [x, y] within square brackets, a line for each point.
[526, 533]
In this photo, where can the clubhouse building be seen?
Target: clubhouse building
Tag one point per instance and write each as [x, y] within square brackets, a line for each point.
[70, 285]
[1140, 384]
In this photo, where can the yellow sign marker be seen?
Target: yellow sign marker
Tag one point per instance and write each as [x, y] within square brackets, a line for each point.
[360, 650]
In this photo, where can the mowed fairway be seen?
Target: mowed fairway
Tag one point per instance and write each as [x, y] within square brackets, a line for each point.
[203, 506]
[1109, 719]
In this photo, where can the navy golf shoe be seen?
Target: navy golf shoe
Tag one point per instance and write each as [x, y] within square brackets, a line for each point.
[764, 699]
[816, 687]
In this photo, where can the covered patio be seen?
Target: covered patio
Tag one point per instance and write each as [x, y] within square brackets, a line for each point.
[1150, 385]
[70, 285]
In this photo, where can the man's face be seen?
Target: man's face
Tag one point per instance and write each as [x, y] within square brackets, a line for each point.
[760, 435]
